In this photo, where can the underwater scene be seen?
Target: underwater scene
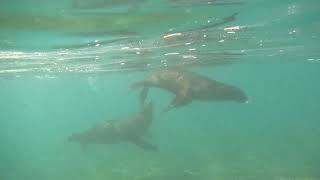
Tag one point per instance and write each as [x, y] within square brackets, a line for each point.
[159, 90]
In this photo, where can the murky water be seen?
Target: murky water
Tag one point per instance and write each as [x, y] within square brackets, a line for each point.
[66, 68]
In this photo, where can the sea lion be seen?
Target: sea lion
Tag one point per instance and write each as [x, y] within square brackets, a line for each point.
[188, 86]
[129, 129]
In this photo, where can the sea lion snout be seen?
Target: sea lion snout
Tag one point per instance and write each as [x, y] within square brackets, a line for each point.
[241, 97]
[235, 94]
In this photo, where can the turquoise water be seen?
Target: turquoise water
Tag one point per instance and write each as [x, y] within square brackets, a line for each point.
[68, 65]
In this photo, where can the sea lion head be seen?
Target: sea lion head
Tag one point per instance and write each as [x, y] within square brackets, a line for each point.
[239, 96]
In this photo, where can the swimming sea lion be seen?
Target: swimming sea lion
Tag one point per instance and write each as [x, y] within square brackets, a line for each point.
[189, 86]
[129, 129]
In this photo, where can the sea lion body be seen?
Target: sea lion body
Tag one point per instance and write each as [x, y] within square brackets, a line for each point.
[130, 129]
[189, 86]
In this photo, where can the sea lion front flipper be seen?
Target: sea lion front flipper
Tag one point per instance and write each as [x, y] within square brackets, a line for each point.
[176, 102]
[183, 97]
[172, 104]
[144, 145]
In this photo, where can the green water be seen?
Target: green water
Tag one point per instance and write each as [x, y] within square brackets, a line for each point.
[66, 67]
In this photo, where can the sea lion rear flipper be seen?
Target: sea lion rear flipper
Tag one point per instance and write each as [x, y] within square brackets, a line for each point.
[144, 145]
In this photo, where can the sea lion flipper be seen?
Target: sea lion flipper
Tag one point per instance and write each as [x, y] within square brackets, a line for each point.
[183, 97]
[168, 108]
[143, 144]
[179, 100]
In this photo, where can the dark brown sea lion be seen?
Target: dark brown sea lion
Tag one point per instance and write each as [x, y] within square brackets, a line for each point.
[130, 129]
[189, 86]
